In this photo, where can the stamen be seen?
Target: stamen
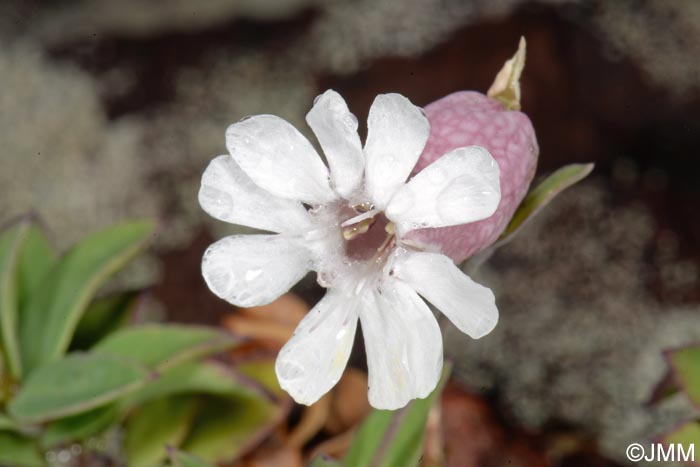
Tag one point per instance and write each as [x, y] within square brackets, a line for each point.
[360, 217]
[352, 231]
[384, 248]
[363, 207]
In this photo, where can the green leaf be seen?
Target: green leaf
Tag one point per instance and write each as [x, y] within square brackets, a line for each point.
[37, 257]
[686, 435]
[75, 384]
[53, 312]
[81, 426]
[324, 461]
[18, 451]
[182, 459]
[190, 378]
[104, 316]
[156, 425]
[162, 346]
[6, 423]
[226, 428]
[541, 195]
[263, 372]
[207, 377]
[390, 438]
[10, 244]
[685, 364]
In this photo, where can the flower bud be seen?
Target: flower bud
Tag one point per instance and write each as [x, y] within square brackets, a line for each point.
[469, 118]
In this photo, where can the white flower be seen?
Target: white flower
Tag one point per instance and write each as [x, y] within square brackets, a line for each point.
[351, 232]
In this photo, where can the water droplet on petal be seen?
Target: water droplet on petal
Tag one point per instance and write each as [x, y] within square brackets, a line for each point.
[351, 121]
[326, 278]
[289, 370]
[252, 274]
[219, 201]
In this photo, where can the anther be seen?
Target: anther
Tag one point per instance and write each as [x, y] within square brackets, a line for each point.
[352, 231]
[363, 207]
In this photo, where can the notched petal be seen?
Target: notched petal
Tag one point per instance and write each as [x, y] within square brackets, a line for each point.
[470, 306]
[228, 194]
[313, 360]
[397, 132]
[460, 187]
[279, 159]
[253, 270]
[336, 129]
[403, 344]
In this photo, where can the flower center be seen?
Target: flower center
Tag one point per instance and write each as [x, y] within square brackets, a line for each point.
[367, 232]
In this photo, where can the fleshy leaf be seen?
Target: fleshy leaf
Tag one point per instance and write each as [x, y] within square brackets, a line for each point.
[36, 259]
[102, 317]
[19, 451]
[183, 459]
[80, 426]
[202, 378]
[156, 425]
[685, 437]
[162, 346]
[75, 384]
[208, 377]
[53, 312]
[685, 364]
[6, 423]
[10, 244]
[389, 438]
[227, 427]
[541, 195]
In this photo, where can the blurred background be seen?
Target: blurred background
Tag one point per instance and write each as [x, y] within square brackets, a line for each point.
[111, 110]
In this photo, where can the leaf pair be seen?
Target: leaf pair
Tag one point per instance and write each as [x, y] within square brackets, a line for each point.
[161, 385]
[118, 365]
[42, 298]
[55, 308]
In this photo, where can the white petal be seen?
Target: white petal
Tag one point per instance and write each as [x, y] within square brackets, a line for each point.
[313, 360]
[460, 187]
[253, 270]
[279, 159]
[336, 130]
[396, 135]
[228, 194]
[404, 346]
[470, 306]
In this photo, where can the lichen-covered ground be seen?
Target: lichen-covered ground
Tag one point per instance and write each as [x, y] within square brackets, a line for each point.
[111, 110]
